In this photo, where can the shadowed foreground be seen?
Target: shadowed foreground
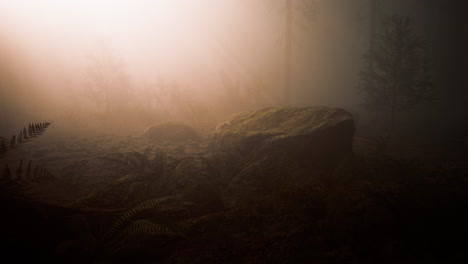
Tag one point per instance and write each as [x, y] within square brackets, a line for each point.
[275, 186]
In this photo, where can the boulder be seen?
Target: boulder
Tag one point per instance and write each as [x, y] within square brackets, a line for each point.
[275, 159]
[193, 179]
[319, 134]
[191, 171]
[171, 132]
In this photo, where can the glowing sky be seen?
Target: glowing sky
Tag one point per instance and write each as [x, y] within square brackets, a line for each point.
[181, 39]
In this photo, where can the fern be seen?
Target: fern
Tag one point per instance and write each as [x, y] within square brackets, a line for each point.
[136, 233]
[145, 228]
[125, 218]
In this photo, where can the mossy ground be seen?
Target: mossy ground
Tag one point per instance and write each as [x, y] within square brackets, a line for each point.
[397, 206]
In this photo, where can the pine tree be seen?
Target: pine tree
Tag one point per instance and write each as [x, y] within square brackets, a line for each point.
[395, 77]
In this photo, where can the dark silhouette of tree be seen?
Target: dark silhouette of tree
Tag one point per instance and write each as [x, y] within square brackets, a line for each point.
[372, 26]
[369, 13]
[292, 11]
[396, 75]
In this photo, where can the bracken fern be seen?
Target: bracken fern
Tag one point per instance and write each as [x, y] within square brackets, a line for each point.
[145, 228]
[128, 215]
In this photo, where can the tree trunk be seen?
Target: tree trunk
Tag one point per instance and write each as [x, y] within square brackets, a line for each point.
[372, 26]
[393, 112]
[287, 54]
[392, 122]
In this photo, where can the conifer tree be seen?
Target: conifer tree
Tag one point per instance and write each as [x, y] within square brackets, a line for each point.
[396, 76]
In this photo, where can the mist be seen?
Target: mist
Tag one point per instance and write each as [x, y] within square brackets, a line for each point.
[169, 49]
[177, 55]
[233, 131]
[178, 47]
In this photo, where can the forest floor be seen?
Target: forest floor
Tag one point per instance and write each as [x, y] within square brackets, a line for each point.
[82, 159]
[110, 202]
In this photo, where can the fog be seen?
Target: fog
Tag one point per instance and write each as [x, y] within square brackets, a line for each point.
[190, 61]
[233, 131]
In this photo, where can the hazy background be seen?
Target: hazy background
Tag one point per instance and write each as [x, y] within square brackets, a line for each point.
[200, 61]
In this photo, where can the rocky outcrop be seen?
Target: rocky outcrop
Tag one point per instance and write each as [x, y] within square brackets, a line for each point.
[273, 159]
[171, 132]
[319, 134]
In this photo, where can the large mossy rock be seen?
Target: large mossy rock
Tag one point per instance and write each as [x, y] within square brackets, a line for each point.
[191, 171]
[319, 134]
[195, 180]
[275, 158]
[171, 132]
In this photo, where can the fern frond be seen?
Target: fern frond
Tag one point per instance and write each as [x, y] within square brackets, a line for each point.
[125, 218]
[145, 228]
[136, 233]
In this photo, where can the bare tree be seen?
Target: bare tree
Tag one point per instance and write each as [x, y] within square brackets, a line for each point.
[107, 80]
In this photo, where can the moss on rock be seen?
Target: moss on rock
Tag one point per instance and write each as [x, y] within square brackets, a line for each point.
[171, 132]
[313, 133]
